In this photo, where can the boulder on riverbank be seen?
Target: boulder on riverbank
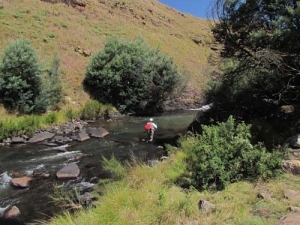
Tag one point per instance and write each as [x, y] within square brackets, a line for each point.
[42, 136]
[98, 132]
[83, 136]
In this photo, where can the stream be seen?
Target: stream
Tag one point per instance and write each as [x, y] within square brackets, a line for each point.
[123, 142]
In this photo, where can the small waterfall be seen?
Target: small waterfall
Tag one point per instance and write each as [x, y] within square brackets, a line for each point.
[4, 180]
[2, 210]
[38, 167]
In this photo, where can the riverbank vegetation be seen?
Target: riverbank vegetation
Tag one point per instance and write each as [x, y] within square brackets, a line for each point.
[14, 125]
[33, 97]
[139, 193]
[260, 64]
[126, 75]
[157, 202]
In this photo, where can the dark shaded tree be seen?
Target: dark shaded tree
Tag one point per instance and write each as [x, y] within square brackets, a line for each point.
[261, 41]
[260, 60]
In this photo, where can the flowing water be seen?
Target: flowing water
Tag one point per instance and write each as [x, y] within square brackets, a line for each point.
[123, 141]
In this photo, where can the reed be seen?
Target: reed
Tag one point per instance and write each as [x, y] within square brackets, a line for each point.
[94, 110]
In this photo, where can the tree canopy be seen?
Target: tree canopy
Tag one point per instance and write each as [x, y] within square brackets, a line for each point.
[260, 59]
[261, 51]
[131, 76]
[262, 38]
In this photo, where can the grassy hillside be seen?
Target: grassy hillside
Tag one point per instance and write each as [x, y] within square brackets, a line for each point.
[63, 29]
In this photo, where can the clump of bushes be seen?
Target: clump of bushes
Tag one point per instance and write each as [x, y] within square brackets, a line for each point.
[223, 154]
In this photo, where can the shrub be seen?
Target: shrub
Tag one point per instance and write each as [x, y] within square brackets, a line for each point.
[53, 85]
[28, 124]
[131, 77]
[20, 81]
[223, 154]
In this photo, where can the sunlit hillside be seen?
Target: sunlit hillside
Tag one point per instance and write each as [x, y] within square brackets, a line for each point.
[78, 30]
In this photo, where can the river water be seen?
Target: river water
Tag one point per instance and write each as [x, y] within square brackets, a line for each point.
[123, 141]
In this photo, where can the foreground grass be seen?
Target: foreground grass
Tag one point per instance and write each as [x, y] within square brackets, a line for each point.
[147, 195]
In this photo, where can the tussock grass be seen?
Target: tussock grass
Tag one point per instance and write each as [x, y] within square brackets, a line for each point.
[94, 109]
[140, 198]
[147, 195]
[14, 125]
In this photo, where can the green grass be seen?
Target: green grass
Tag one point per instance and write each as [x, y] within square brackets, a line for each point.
[14, 125]
[147, 195]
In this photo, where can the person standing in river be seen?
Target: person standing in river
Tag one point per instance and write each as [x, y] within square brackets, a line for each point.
[150, 127]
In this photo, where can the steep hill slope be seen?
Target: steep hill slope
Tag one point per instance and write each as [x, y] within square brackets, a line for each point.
[77, 30]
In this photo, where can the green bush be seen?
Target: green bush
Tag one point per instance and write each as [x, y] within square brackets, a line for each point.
[53, 87]
[130, 76]
[28, 124]
[20, 81]
[223, 154]
[51, 93]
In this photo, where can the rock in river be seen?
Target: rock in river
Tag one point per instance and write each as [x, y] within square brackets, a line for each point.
[22, 182]
[70, 171]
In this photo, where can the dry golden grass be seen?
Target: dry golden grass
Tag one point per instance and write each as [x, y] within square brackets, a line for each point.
[61, 28]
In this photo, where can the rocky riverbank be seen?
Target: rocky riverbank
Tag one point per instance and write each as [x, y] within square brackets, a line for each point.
[58, 135]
